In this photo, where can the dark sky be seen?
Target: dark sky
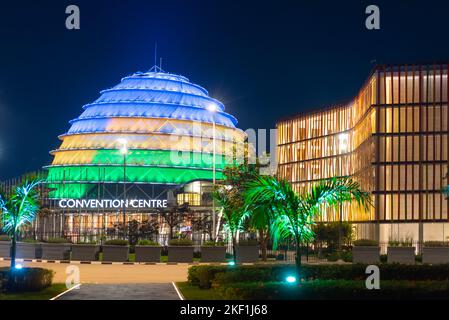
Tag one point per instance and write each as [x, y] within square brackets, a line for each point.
[264, 60]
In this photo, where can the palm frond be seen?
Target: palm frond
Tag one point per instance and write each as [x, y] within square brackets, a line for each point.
[21, 208]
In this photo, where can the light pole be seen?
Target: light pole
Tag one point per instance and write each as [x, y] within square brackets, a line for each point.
[213, 109]
[343, 147]
[124, 152]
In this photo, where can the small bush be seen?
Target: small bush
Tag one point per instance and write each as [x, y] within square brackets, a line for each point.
[335, 289]
[436, 244]
[180, 242]
[57, 240]
[203, 276]
[247, 243]
[221, 275]
[5, 237]
[366, 242]
[280, 257]
[213, 244]
[29, 241]
[116, 242]
[87, 243]
[332, 257]
[26, 279]
[346, 256]
[148, 243]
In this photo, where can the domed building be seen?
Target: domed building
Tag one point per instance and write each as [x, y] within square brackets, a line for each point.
[152, 136]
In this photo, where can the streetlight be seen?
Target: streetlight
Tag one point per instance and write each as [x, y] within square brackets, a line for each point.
[213, 109]
[343, 147]
[124, 152]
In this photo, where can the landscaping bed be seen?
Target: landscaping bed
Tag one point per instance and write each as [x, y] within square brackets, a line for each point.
[25, 280]
[316, 282]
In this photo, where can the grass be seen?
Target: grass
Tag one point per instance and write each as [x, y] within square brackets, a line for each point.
[45, 294]
[132, 258]
[194, 293]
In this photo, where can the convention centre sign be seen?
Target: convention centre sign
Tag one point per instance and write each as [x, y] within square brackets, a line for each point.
[112, 203]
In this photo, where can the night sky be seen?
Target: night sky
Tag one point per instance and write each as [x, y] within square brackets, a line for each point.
[264, 60]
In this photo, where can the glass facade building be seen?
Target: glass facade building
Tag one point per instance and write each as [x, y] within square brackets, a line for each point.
[393, 139]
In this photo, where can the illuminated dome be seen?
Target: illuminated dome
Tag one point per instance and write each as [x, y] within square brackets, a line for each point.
[158, 115]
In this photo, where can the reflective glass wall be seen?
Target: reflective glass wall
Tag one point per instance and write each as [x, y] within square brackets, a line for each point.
[392, 138]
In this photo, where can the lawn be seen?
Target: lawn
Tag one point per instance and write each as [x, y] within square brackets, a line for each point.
[45, 294]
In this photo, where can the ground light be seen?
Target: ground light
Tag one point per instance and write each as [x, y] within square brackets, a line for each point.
[231, 263]
[290, 279]
[18, 266]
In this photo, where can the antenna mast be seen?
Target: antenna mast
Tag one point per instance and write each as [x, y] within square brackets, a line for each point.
[155, 54]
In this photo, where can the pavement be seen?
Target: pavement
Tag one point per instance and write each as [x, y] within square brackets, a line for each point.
[134, 291]
[115, 273]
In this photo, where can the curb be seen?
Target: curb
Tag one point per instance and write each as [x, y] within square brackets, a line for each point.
[121, 263]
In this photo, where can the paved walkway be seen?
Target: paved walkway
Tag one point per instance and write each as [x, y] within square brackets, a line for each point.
[115, 274]
[136, 291]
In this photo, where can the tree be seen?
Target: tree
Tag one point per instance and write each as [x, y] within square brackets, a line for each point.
[329, 234]
[202, 223]
[294, 214]
[149, 228]
[174, 216]
[233, 211]
[19, 210]
[257, 218]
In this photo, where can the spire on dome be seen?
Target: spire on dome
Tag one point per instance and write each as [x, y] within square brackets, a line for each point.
[156, 68]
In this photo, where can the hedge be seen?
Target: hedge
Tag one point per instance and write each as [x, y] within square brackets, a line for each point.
[25, 280]
[116, 242]
[336, 290]
[206, 276]
[180, 242]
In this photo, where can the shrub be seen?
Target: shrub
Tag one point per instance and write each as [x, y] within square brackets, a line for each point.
[223, 275]
[57, 240]
[346, 256]
[280, 257]
[5, 237]
[148, 243]
[248, 243]
[202, 276]
[26, 279]
[366, 242]
[180, 242]
[332, 257]
[213, 244]
[335, 289]
[436, 244]
[116, 242]
[30, 241]
[87, 243]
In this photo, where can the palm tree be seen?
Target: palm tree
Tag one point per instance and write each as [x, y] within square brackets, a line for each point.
[233, 211]
[293, 215]
[20, 209]
[259, 218]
